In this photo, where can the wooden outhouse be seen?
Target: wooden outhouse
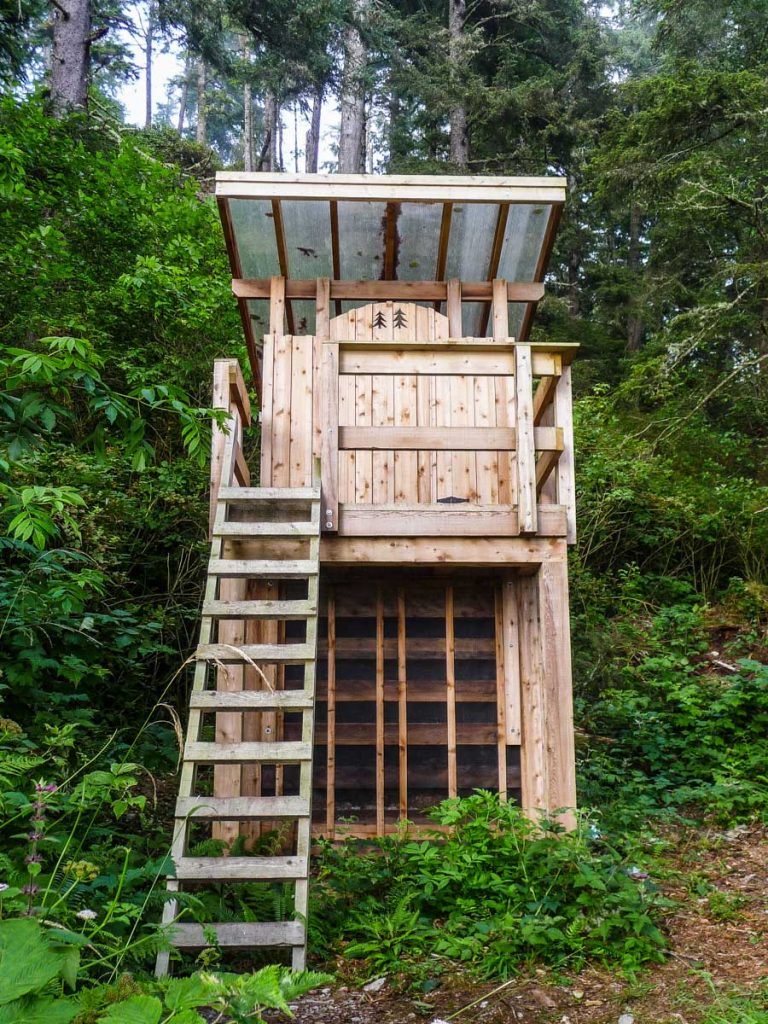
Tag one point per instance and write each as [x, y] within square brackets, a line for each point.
[386, 613]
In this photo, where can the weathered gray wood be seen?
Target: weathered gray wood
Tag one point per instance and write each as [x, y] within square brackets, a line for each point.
[260, 609]
[251, 700]
[243, 869]
[283, 654]
[232, 753]
[273, 569]
[238, 935]
[271, 494]
[241, 808]
[265, 529]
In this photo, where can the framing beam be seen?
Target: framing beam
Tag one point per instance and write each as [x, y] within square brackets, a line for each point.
[379, 291]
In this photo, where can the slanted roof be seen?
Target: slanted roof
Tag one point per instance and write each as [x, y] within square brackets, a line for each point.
[388, 228]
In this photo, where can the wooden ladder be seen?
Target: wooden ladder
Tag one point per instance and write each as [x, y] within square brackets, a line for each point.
[270, 515]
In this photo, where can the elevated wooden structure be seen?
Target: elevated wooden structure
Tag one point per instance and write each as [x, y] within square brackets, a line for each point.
[386, 619]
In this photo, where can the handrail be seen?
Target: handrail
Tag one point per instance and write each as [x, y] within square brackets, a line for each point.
[228, 465]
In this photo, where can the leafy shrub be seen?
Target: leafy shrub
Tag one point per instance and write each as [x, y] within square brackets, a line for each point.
[676, 730]
[39, 965]
[495, 892]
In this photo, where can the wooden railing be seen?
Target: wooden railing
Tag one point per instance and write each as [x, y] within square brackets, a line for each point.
[540, 434]
[228, 465]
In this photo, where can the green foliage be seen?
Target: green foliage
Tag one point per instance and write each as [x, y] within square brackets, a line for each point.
[33, 962]
[684, 734]
[496, 892]
[38, 965]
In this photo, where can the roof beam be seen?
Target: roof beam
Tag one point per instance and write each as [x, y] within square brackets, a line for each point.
[335, 250]
[442, 245]
[254, 354]
[493, 262]
[386, 189]
[282, 255]
[541, 266]
[391, 242]
[403, 291]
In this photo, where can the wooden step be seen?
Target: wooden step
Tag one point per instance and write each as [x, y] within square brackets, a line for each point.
[280, 654]
[260, 609]
[270, 494]
[243, 869]
[251, 700]
[241, 808]
[271, 569]
[267, 529]
[238, 935]
[232, 753]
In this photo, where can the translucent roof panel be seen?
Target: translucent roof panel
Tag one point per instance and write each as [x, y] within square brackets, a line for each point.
[253, 225]
[473, 226]
[523, 240]
[418, 233]
[361, 240]
[307, 227]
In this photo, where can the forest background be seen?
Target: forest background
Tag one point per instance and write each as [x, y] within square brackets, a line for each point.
[114, 291]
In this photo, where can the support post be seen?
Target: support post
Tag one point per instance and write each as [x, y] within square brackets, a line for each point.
[526, 450]
[329, 449]
[558, 689]
[566, 476]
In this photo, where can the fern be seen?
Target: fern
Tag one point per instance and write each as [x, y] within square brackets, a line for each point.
[12, 766]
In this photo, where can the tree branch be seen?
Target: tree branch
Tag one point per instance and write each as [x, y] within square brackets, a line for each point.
[64, 13]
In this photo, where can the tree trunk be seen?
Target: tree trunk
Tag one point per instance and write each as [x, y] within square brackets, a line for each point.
[312, 154]
[70, 58]
[247, 110]
[184, 96]
[634, 323]
[148, 41]
[351, 152]
[201, 134]
[459, 145]
[268, 157]
[574, 258]
[247, 127]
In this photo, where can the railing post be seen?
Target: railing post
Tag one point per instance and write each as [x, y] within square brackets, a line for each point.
[526, 447]
[219, 400]
[329, 447]
[566, 484]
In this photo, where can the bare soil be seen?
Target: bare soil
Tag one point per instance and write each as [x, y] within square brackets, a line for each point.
[718, 945]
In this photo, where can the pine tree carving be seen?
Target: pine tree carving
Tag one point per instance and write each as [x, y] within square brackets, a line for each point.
[380, 320]
[400, 319]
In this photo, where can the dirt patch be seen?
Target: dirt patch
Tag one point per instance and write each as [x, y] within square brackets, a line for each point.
[718, 944]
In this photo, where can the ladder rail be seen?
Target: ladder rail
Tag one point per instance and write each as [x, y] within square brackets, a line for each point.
[192, 807]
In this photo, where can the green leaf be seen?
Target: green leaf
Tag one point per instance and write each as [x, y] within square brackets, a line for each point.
[27, 962]
[39, 1011]
[136, 1010]
[187, 993]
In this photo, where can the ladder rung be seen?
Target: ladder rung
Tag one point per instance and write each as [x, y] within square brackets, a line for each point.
[273, 495]
[283, 654]
[246, 869]
[241, 808]
[251, 700]
[267, 529]
[260, 609]
[239, 935]
[291, 752]
[273, 569]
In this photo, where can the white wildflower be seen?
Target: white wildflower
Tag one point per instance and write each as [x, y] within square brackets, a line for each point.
[86, 915]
